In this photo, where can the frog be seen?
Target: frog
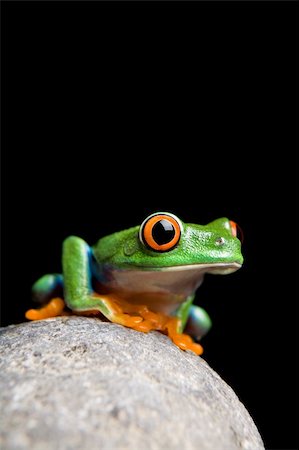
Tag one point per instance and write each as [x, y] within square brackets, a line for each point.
[145, 277]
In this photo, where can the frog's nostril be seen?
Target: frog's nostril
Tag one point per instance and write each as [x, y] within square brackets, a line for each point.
[220, 241]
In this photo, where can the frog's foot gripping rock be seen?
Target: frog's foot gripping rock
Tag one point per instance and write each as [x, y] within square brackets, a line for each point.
[140, 318]
[137, 317]
[52, 309]
[183, 341]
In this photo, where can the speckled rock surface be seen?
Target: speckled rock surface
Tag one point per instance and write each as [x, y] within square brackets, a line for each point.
[79, 383]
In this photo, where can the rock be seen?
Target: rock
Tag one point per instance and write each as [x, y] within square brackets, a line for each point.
[79, 383]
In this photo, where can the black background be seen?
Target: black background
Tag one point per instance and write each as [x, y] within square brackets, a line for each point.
[111, 111]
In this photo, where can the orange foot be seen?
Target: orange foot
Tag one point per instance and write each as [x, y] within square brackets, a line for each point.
[54, 308]
[147, 320]
[183, 341]
[138, 317]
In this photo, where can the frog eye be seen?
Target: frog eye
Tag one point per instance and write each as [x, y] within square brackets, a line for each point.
[236, 230]
[160, 232]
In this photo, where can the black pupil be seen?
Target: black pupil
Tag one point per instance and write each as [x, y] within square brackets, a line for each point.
[163, 232]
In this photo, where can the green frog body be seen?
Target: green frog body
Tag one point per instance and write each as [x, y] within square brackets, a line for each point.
[144, 277]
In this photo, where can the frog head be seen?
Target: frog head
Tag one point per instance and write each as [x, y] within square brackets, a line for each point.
[163, 241]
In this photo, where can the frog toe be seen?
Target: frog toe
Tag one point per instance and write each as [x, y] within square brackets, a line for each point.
[127, 320]
[185, 342]
[53, 309]
[181, 340]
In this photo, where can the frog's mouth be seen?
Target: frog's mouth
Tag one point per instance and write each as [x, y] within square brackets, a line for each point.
[167, 285]
[214, 268]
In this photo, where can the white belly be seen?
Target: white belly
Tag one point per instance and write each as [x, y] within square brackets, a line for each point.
[163, 289]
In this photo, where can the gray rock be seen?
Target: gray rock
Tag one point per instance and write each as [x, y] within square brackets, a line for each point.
[79, 383]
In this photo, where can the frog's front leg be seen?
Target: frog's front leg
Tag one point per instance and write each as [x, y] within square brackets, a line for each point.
[78, 293]
[190, 322]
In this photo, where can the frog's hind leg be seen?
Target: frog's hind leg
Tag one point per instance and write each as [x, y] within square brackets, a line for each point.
[47, 291]
[47, 287]
[198, 323]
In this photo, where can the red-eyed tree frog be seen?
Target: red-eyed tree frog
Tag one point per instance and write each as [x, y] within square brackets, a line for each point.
[144, 277]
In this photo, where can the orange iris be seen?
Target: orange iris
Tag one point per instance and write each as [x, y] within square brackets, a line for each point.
[161, 232]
